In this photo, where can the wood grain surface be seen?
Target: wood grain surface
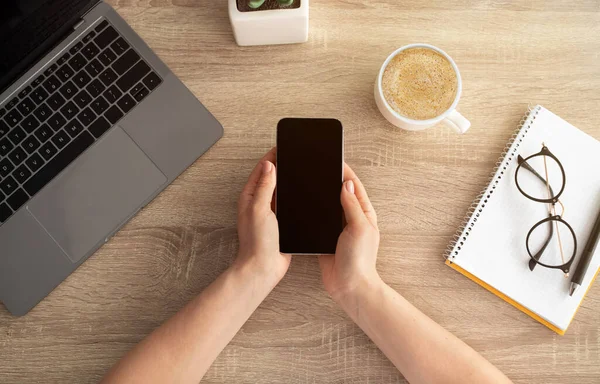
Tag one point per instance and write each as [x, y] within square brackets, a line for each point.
[510, 53]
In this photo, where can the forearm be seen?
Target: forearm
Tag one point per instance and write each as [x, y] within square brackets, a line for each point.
[182, 350]
[421, 349]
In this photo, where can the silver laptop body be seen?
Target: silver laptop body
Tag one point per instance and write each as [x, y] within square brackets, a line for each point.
[118, 167]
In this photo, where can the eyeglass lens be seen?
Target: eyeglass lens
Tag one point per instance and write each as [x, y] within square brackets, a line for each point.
[557, 237]
[533, 181]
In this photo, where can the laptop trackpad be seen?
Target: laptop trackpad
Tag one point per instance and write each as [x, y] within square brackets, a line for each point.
[101, 190]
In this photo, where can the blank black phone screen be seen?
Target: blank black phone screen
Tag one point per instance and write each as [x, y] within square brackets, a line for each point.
[310, 158]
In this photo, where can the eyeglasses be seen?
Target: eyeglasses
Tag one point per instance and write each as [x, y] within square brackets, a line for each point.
[539, 189]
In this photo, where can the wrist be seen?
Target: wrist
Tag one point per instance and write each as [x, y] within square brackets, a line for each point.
[245, 287]
[353, 294]
[248, 268]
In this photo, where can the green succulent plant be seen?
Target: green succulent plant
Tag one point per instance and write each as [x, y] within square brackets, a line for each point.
[257, 3]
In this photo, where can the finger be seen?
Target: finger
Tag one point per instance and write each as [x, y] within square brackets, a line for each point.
[361, 194]
[271, 155]
[263, 194]
[248, 190]
[352, 209]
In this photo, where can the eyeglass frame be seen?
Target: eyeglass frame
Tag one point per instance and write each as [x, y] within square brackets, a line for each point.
[551, 218]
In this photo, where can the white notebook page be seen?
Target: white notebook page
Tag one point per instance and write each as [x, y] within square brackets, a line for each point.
[495, 250]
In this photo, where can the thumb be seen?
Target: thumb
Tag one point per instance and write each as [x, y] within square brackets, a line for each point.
[265, 187]
[350, 203]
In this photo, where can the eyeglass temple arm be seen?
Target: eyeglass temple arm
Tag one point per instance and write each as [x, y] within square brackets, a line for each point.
[537, 256]
[528, 167]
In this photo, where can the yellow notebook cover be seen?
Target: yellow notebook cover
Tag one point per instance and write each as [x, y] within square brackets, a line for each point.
[512, 302]
[490, 247]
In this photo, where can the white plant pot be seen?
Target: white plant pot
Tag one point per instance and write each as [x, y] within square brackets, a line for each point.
[276, 26]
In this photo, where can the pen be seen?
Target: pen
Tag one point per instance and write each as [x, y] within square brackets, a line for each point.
[586, 257]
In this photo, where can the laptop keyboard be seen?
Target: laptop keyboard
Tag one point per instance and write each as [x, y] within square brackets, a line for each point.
[57, 116]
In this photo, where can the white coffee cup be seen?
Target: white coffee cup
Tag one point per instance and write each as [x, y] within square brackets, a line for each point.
[450, 117]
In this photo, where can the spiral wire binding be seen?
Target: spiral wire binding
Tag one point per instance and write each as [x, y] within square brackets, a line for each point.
[474, 211]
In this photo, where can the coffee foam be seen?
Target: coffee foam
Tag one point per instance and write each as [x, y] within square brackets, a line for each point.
[419, 83]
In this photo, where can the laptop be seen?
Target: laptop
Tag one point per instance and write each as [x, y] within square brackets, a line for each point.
[93, 125]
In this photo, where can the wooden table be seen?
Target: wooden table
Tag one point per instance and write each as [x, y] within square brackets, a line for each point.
[510, 55]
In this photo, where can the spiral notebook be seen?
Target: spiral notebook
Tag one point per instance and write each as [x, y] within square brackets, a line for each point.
[490, 248]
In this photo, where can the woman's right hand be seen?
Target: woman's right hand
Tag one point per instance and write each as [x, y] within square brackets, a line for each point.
[354, 264]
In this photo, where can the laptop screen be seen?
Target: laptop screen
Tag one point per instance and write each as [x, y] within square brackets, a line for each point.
[29, 28]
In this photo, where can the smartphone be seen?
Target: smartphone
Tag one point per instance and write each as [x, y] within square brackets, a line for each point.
[310, 170]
